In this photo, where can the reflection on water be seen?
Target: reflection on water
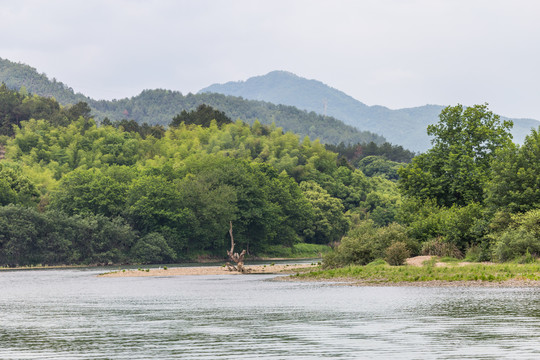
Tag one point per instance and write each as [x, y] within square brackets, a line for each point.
[72, 314]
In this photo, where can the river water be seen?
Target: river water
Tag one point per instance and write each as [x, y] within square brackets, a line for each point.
[73, 314]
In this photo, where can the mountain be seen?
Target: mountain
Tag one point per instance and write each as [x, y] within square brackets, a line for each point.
[406, 127]
[17, 75]
[160, 106]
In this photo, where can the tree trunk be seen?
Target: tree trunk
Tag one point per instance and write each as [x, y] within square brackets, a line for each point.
[235, 257]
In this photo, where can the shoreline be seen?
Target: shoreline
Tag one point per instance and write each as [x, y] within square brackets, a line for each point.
[348, 281]
[199, 261]
[209, 270]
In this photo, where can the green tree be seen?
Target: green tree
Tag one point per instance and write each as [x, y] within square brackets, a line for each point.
[153, 204]
[152, 249]
[515, 183]
[202, 116]
[456, 169]
[15, 187]
[329, 223]
[93, 191]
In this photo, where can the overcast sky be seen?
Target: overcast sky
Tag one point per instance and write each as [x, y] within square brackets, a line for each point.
[394, 53]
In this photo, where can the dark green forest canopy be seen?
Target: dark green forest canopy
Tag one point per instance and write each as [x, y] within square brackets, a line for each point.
[17, 106]
[203, 116]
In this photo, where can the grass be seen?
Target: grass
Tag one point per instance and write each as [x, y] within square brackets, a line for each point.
[394, 274]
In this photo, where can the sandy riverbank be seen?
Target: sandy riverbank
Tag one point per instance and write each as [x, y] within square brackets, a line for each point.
[210, 270]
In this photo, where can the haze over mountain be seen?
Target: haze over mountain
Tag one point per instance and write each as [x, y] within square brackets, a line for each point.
[160, 106]
[406, 127]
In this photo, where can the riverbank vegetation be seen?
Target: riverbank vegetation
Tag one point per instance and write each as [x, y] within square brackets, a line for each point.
[73, 191]
[473, 195]
[381, 272]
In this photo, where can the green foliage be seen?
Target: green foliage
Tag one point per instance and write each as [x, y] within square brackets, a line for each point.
[183, 186]
[456, 169]
[15, 187]
[378, 166]
[144, 130]
[383, 202]
[28, 237]
[329, 223]
[158, 107]
[521, 238]
[16, 107]
[152, 249]
[515, 183]
[93, 191]
[478, 253]
[355, 153]
[298, 251]
[365, 243]
[477, 272]
[439, 247]
[202, 116]
[461, 226]
[397, 253]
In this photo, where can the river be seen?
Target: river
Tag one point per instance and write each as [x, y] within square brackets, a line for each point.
[73, 314]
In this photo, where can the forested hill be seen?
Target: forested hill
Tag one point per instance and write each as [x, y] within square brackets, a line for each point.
[406, 127]
[17, 75]
[160, 106]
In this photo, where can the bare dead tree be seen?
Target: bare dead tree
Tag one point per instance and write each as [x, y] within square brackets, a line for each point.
[235, 257]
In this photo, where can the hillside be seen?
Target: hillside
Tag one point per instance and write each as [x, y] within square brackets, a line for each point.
[405, 127]
[160, 106]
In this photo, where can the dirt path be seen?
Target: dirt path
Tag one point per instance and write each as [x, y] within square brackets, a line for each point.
[418, 260]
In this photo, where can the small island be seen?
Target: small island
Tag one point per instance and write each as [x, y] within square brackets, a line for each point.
[212, 270]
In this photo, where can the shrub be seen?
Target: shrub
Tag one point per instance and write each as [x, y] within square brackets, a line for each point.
[520, 237]
[365, 243]
[397, 253]
[377, 262]
[527, 258]
[152, 248]
[461, 226]
[438, 247]
[478, 253]
[515, 243]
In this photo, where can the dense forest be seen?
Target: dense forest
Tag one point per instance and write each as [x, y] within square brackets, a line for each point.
[73, 191]
[158, 107]
[76, 192]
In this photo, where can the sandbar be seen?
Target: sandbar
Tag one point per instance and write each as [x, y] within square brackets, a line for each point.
[210, 270]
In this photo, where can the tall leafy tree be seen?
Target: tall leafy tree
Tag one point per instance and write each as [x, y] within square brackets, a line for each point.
[515, 183]
[457, 168]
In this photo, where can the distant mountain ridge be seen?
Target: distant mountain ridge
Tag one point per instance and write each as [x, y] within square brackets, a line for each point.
[406, 127]
[160, 106]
